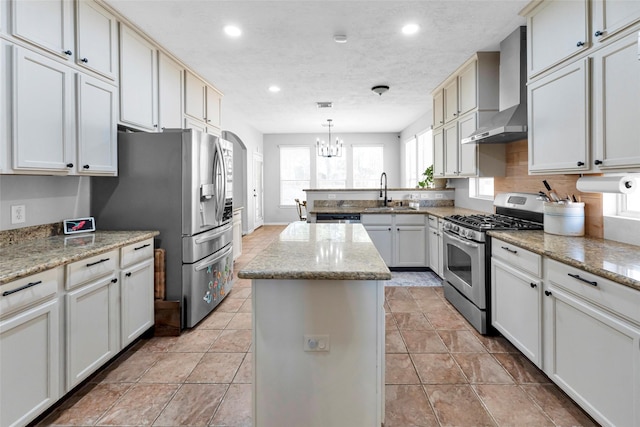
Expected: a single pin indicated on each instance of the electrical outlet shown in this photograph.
(331, 196)
(316, 343)
(18, 214)
(439, 196)
(424, 195)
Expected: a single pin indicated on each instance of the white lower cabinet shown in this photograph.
(592, 343)
(136, 290)
(29, 347)
(516, 308)
(400, 239)
(91, 328)
(436, 245)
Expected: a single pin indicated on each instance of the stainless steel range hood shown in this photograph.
(510, 124)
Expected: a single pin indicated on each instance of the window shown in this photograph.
(295, 173)
(411, 171)
(481, 188)
(425, 153)
(331, 171)
(368, 165)
(418, 156)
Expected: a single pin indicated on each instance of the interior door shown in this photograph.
(258, 191)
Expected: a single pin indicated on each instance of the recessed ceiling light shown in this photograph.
(340, 38)
(232, 31)
(274, 89)
(410, 29)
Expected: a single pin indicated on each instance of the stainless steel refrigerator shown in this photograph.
(179, 183)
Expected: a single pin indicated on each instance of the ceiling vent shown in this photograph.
(324, 105)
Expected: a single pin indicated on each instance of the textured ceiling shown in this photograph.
(290, 44)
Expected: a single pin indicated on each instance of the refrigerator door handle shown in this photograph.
(222, 183)
(213, 236)
(212, 260)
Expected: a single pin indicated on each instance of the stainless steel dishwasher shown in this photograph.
(338, 218)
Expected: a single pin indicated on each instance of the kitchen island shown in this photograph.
(318, 328)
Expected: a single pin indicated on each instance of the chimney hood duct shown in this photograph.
(510, 124)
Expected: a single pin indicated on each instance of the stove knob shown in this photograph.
(471, 234)
(447, 226)
(456, 228)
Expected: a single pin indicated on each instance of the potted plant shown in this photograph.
(429, 181)
(428, 178)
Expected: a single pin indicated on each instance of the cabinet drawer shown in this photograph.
(136, 252)
(29, 290)
(516, 256)
(433, 221)
(412, 219)
(91, 268)
(376, 219)
(605, 293)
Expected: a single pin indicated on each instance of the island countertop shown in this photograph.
(319, 252)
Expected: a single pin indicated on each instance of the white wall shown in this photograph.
(233, 121)
(463, 200)
(273, 213)
(47, 199)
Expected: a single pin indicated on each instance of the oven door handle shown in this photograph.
(459, 240)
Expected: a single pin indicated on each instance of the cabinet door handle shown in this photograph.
(597, 162)
(547, 293)
(580, 44)
(533, 285)
(21, 288)
(68, 52)
(85, 60)
(577, 276)
(598, 33)
(155, 126)
(509, 250)
(98, 262)
(128, 274)
(114, 280)
(579, 163)
(389, 228)
(69, 165)
(85, 167)
(141, 247)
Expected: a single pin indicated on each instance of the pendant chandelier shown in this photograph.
(329, 149)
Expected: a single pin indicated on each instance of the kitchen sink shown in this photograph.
(388, 209)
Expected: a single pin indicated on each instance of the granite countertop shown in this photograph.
(33, 256)
(319, 252)
(612, 260)
(439, 211)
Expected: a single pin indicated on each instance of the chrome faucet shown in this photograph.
(384, 175)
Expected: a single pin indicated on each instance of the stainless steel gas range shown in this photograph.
(467, 252)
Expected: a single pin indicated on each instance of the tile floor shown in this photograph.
(439, 371)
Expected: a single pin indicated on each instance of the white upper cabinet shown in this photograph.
(559, 134)
(450, 91)
(438, 153)
(45, 23)
(467, 152)
(43, 113)
(616, 104)
(96, 39)
(611, 16)
(451, 143)
(213, 99)
(467, 88)
(170, 84)
(194, 103)
(438, 108)
(556, 30)
(138, 80)
(97, 130)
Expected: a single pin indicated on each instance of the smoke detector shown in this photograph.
(324, 105)
(380, 89)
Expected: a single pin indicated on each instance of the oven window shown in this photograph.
(459, 263)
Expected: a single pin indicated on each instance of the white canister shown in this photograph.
(564, 219)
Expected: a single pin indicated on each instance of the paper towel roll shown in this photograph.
(607, 184)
